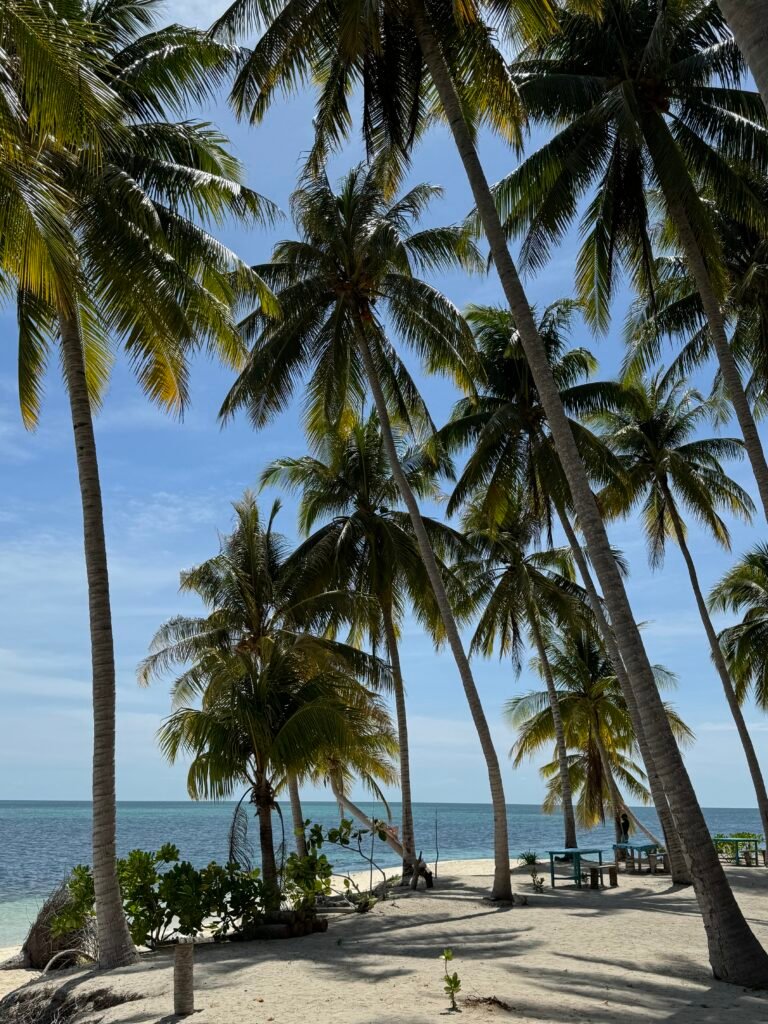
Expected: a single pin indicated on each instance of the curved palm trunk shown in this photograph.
(409, 842)
(264, 800)
(722, 670)
(297, 816)
(617, 801)
(115, 945)
(728, 366)
(502, 885)
(680, 870)
(557, 722)
(748, 20)
(735, 954)
(357, 812)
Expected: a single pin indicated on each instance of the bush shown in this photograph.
(164, 897)
(527, 857)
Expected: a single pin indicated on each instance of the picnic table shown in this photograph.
(574, 854)
(739, 842)
(637, 850)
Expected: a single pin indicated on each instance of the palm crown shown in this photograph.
(148, 273)
(645, 97)
(666, 465)
(504, 422)
(355, 262)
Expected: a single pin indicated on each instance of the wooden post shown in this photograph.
(652, 863)
(613, 875)
(594, 878)
(631, 861)
(665, 863)
(765, 857)
(184, 978)
(748, 858)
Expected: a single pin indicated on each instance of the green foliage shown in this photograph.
(452, 984)
(527, 857)
(727, 849)
(306, 878)
(165, 898)
(536, 880)
(81, 905)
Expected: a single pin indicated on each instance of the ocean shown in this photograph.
(41, 841)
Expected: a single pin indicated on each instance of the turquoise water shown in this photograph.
(40, 841)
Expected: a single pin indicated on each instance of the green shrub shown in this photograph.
(165, 898)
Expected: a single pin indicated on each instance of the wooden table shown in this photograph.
(637, 849)
(574, 854)
(738, 842)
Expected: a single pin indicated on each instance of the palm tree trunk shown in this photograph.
(722, 669)
(679, 868)
(557, 721)
(357, 812)
(748, 20)
(409, 842)
(735, 954)
(297, 816)
(728, 366)
(264, 800)
(116, 948)
(617, 801)
(502, 884)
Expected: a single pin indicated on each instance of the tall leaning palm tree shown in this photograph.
(669, 469)
(149, 277)
(649, 97)
(354, 264)
(359, 537)
(398, 50)
(522, 591)
(748, 20)
(504, 424)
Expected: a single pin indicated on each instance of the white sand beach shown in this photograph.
(633, 954)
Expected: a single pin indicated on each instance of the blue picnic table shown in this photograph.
(574, 854)
(739, 842)
(637, 850)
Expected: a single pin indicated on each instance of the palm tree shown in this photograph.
(598, 727)
(748, 20)
(354, 264)
(261, 717)
(147, 274)
(367, 544)
(675, 310)
(744, 590)
(504, 422)
(648, 98)
(522, 591)
(668, 468)
(275, 691)
(398, 52)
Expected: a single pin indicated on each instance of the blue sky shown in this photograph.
(167, 491)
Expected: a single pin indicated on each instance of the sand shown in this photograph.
(633, 954)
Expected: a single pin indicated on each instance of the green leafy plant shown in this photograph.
(452, 984)
(527, 857)
(164, 897)
(537, 880)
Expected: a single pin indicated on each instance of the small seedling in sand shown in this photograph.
(452, 983)
(537, 880)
